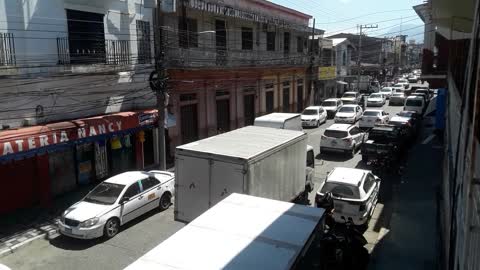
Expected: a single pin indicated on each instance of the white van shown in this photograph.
(415, 103)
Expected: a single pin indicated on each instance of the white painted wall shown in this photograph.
(68, 91)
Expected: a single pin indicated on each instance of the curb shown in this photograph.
(11, 250)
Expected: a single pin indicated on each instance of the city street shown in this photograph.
(143, 234)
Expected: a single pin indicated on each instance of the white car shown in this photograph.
(332, 105)
(371, 117)
(350, 98)
(415, 103)
(397, 98)
(376, 99)
(348, 114)
(355, 194)
(117, 201)
(387, 92)
(342, 138)
(401, 85)
(313, 116)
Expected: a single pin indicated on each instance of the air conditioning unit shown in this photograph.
(31, 121)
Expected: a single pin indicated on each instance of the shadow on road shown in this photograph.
(68, 243)
(337, 157)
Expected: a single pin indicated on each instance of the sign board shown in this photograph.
(327, 73)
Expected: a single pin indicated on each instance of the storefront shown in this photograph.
(41, 162)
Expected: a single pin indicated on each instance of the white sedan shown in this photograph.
(371, 117)
(117, 201)
(348, 114)
(376, 99)
(387, 92)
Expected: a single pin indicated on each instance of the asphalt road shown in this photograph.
(145, 233)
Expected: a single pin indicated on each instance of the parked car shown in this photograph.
(398, 98)
(371, 117)
(410, 114)
(376, 99)
(387, 92)
(332, 105)
(424, 96)
(116, 201)
(348, 114)
(355, 194)
(350, 98)
(385, 142)
(415, 103)
(424, 91)
(313, 116)
(342, 138)
(410, 124)
(401, 85)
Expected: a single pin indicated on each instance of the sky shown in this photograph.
(335, 16)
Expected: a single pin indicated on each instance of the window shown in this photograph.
(188, 97)
(188, 33)
(220, 35)
(104, 193)
(335, 134)
(247, 38)
(355, 131)
(132, 190)
(286, 42)
(310, 159)
(369, 182)
(143, 42)
(300, 44)
(150, 182)
(270, 41)
(339, 190)
(86, 37)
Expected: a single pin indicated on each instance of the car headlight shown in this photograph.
(89, 222)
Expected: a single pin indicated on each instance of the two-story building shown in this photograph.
(76, 106)
(230, 61)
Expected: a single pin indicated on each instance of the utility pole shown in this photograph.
(158, 84)
(360, 50)
(312, 64)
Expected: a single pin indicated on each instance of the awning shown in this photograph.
(44, 138)
(342, 82)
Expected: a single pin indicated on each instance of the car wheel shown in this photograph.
(112, 227)
(165, 201)
(353, 150)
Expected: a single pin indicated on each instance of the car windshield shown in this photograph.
(310, 112)
(340, 191)
(371, 113)
(329, 103)
(398, 94)
(399, 91)
(349, 95)
(414, 103)
(405, 114)
(382, 136)
(386, 90)
(105, 193)
(335, 134)
(347, 109)
(375, 96)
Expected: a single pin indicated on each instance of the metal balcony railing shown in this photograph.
(117, 52)
(7, 49)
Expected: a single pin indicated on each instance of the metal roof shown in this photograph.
(277, 117)
(342, 127)
(245, 143)
(240, 232)
(346, 176)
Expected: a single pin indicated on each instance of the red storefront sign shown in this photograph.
(31, 138)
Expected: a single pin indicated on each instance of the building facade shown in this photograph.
(77, 106)
(451, 63)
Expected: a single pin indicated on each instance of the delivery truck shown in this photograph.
(258, 161)
(290, 121)
(242, 232)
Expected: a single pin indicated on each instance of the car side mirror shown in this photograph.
(124, 200)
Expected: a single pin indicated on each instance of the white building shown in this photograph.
(344, 50)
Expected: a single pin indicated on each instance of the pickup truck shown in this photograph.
(385, 141)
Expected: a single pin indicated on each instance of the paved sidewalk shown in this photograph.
(411, 242)
(21, 227)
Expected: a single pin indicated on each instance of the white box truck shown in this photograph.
(258, 161)
(241, 232)
(290, 121)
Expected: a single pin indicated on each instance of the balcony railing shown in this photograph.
(7, 49)
(117, 52)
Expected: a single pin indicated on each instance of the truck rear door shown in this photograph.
(226, 178)
(192, 186)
